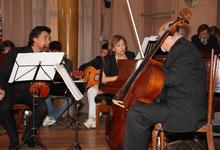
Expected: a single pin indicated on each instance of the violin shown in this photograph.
(39, 89)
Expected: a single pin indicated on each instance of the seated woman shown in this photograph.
(117, 46)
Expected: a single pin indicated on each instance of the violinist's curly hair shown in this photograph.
(114, 40)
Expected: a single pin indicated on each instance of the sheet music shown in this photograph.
(144, 45)
(26, 65)
(69, 82)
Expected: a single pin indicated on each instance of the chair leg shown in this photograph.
(20, 120)
(97, 119)
(210, 140)
(154, 139)
(162, 141)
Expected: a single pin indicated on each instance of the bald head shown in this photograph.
(180, 31)
(164, 28)
(170, 40)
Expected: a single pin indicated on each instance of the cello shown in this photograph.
(144, 85)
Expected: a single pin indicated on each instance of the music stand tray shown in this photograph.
(34, 67)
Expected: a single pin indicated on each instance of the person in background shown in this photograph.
(184, 87)
(96, 62)
(54, 113)
(18, 92)
(5, 47)
(130, 54)
(204, 41)
(2, 94)
(214, 31)
(117, 46)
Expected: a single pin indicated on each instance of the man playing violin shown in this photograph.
(14, 93)
(182, 104)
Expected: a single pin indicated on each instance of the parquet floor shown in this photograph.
(60, 138)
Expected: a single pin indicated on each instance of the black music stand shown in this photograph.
(77, 96)
(34, 67)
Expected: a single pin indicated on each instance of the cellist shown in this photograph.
(182, 104)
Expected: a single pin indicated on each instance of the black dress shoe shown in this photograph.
(13, 147)
(32, 142)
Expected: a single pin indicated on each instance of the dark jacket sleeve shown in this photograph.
(215, 45)
(68, 65)
(195, 40)
(6, 67)
(130, 55)
(110, 65)
(97, 63)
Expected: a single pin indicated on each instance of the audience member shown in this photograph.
(204, 41)
(97, 62)
(5, 47)
(214, 31)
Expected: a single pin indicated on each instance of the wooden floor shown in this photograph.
(60, 138)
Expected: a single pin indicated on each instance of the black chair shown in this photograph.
(208, 127)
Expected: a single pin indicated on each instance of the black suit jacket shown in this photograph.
(212, 44)
(97, 63)
(184, 91)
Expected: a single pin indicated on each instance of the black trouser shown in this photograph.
(140, 118)
(6, 111)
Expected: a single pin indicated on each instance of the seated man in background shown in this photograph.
(57, 89)
(204, 41)
(5, 47)
(92, 91)
(96, 62)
